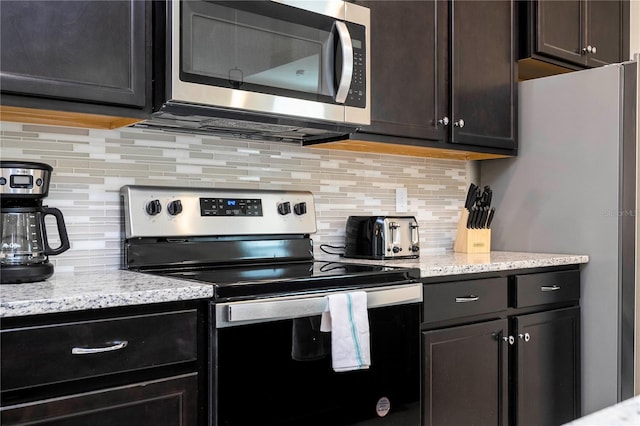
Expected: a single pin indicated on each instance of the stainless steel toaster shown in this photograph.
(382, 237)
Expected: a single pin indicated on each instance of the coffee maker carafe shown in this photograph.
(24, 248)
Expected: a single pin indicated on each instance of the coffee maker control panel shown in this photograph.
(24, 179)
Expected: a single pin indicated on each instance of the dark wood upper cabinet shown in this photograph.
(558, 36)
(443, 75)
(408, 59)
(605, 21)
(560, 32)
(80, 50)
(76, 63)
(483, 74)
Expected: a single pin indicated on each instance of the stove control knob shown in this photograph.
(415, 248)
(300, 208)
(396, 249)
(284, 208)
(175, 207)
(153, 207)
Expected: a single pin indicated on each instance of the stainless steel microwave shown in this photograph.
(280, 67)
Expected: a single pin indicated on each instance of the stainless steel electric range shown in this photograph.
(269, 364)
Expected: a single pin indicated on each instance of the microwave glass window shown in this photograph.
(252, 51)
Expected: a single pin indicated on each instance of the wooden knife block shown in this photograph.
(471, 240)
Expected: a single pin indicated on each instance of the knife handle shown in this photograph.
(483, 218)
(470, 200)
(470, 218)
(490, 218)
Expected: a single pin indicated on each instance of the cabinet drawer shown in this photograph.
(550, 287)
(164, 402)
(60, 352)
(459, 299)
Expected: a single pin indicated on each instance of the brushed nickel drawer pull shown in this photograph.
(84, 351)
(549, 288)
(469, 298)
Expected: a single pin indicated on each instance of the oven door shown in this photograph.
(278, 371)
(298, 58)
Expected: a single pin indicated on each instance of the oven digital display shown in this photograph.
(230, 207)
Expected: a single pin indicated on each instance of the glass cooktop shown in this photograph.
(260, 280)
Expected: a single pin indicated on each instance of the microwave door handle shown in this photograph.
(347, 62)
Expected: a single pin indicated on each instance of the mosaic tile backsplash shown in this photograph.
(91, 165)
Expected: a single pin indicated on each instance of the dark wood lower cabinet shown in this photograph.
(465, 375)
(114, 367)
(490, 360)
(165, 402)
(547, 367)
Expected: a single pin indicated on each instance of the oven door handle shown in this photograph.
(256, 311)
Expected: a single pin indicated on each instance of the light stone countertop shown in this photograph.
(74, 292)
(625, 413)
(461, 263)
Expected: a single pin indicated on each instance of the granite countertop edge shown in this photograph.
(65, 292)
(435, 265)
(623, 413)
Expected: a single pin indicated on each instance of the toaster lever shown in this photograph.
(415, 237)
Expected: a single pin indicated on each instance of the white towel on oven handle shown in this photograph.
(348, 320)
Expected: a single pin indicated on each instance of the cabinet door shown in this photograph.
(165, 402)
(408, 71)
(483, 73)
(604, 23)
(561, 33)
(75, 50)
(465, 375)
(547, 367)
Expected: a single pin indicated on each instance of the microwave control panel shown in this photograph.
(357, 92)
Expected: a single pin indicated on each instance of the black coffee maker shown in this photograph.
(24, 248)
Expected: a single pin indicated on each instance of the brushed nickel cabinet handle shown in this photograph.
(526, 336)
(511, 340)
(550, 287)
(466, 299)
(114, 347)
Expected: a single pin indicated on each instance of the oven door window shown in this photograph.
(278, 373)
(259, 46)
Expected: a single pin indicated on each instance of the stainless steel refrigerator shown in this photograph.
(573, 189)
